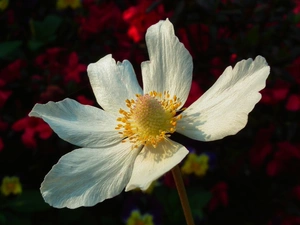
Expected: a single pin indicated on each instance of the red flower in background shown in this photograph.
(224, 32)
(84, 100)
(4, 95)
(8, 75)
(56, 63)
(3, 127)
(142, 16)
(277, 93)
(285, 160)
(294, 69)
(124, 49)
(10, 17)
(233, 58)
(291, 220)
(283, 219)
(195, 93)
(73, 69)
(32, 126)
(1, 144)
(105, 15)
(50, 60)
(168, 180)
(217, 67)
(219, 196)
(280, 158)
(262, 147)
(195, 38)
(52, 93)
(296, 10)
(11, 73)
(293, 103)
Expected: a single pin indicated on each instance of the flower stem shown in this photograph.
(182, 195)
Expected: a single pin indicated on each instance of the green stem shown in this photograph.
(182, 195)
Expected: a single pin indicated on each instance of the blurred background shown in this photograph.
(248, 179)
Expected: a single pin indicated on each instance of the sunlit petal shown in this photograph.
(223, 110)
(113, 83)
(81, 125)
(170, 66)
(152, 163)
(85, 177)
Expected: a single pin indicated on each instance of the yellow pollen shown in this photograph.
(149, 118)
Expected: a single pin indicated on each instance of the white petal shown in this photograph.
(113, 83)
(152, 163)
(85, 177)
(81, 125)
(223, 110)
(170, 66)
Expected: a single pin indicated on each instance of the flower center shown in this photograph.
(149, 119)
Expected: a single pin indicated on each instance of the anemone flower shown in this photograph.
(127, 144)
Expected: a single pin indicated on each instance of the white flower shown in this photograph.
(127, 144)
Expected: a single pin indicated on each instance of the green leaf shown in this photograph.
(44, 31)
(35, 45)
(297, 18)
(170, 200)
(29, 201)
(11, 218)
(198, 200)
(2, 218)
(8, 48)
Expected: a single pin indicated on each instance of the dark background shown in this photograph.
(253, 177)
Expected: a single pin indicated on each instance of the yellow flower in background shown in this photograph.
(137, 219)
(3, 4)
(11, 185)
(197, 164)
(63, 4)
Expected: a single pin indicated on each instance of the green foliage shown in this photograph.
(198, 200)
(9, 48)
(169, 198)
(43, 32)
(29, 201)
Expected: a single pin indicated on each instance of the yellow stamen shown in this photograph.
(149, 118)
